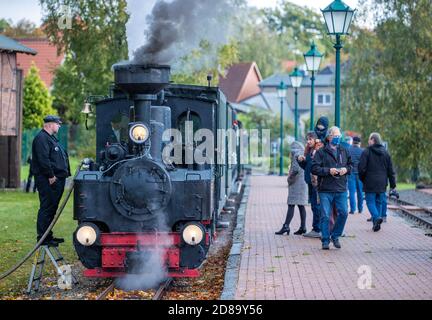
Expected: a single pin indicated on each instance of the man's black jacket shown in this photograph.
(375, 169)
(324, 160)
(48, 157)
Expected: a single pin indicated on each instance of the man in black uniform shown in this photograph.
(50, 166)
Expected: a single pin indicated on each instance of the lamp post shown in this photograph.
(296, 80)
(338, 17)
(282, 92)
(313, 61)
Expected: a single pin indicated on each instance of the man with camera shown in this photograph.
(332, 164)
(375, 170)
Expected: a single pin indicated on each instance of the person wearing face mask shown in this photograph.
(375, 171)
(321, 128)
(305, 162)
(332, 164)
(50, 166)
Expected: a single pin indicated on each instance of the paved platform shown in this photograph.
(395, 263)
(428, 191)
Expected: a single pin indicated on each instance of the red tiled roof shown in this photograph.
(46, 60)
(241, 82)
(288, 65)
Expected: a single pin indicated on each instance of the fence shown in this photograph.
(29, 135)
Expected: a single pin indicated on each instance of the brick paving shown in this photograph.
(399, 257)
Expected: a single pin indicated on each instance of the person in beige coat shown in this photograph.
(297, 192)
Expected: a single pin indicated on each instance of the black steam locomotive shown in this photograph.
(131, 201)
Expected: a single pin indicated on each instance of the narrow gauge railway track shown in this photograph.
(420, 214)
(106, 292)
(160, 292)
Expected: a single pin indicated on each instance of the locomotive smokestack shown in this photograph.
(142, 83)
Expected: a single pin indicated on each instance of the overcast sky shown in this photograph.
(30, 9)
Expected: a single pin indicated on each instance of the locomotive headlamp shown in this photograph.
(87, 235)
(139, 133)
(193, 234)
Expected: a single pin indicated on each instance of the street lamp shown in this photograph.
(282, 92)
(313, 61)
(296, 80)
(338, 17)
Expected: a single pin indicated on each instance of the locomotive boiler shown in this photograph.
(130, 202)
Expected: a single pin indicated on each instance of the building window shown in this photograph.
(324, 99)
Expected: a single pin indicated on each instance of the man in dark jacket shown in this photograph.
(355, 185)
(375, 170)
(332, 164)
(50, 166)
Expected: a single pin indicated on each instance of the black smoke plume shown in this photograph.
(175, 28)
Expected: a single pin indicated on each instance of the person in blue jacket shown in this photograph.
(355, 185)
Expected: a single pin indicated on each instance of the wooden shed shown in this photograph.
(11, 88)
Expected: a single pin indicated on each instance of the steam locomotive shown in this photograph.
(130, 201)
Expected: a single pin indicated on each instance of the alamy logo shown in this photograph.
(64, 282)
(364, 282)
(65, 20)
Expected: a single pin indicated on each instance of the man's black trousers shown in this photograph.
(49, 197)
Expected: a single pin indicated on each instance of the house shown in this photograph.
(11, 82)
(47, 60)
(324, 92)
(241, 87)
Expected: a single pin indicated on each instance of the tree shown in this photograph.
(95, 41)
(297, 27)
(253, 36)
(23, 29)
(189, 73)
(4, 24)
(36, 99)
(271, 36)
(263, 120)
(390, 81)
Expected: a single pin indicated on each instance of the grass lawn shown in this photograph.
(18, 213)
(405, 186)
(74, 163)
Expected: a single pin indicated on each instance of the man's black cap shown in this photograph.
(52, 119)
(357, 140)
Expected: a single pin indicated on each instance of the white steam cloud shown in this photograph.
(152, 264)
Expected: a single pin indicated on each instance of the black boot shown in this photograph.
(300, 231)
(284, 229)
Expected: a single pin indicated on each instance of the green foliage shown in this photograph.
(261, 120)
(22, 29)
(36, 99)
(254, 35)
(271, 36)
(95, 41)
(194, 74)
(4, 24)
(389, 82)
(299, 25)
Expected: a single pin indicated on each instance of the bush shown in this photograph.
(36, 99)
